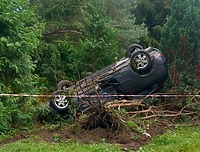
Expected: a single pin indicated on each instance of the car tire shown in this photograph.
(132, 48)
(140, 61)
(59, 101)
(64, 85)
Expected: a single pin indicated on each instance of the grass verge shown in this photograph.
(184, 139)
(31, 145)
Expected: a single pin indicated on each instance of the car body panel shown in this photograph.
(141, 71)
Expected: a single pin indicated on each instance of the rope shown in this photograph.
(109, 95)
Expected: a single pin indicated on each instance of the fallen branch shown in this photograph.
(160, 111)
(123, 103)
(168, 115)
(61, 31)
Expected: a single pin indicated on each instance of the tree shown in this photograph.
(67, 38)
(96, 47)
(20, 31)
(153, 14)
(128, 31)
(180, 40)
(52, 58)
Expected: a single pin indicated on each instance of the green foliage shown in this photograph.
(18, 40)
(52, 58)
(46, 115)
(182, 139)
(121, 19)
(57, 13)
(54, 62)
(20, 31)
(153, 14)
(180, 40)
(134, 126)
(82, 36)
(96, 47)
(16, 113)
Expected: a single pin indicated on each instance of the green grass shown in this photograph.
(31, 145)
(185, 139)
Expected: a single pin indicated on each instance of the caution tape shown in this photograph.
(108, 95)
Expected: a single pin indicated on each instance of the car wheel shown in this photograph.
(132, 48)
(64, 85)
(140, 61)
(59, 101)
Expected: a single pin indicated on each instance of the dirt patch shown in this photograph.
(97, 128)
(129, 140)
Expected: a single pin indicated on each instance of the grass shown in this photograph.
(31, 145)
(184, 139)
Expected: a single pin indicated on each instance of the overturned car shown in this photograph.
(140, 72)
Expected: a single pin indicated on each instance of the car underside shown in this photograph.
(141, 71)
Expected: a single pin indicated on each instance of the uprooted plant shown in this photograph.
(115, 114)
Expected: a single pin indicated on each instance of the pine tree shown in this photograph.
(180, 40)
(96, 47)
(128, 31)
(153, 14)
